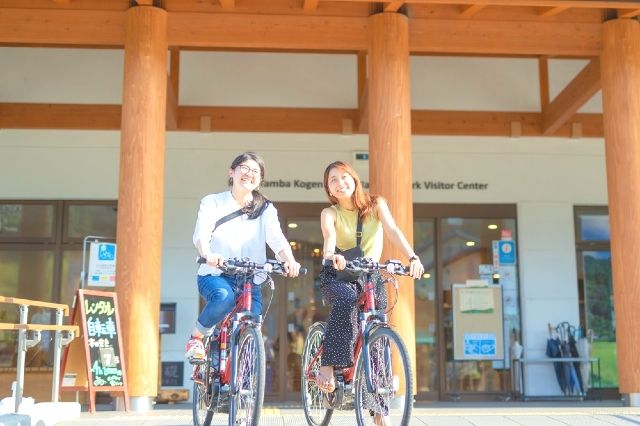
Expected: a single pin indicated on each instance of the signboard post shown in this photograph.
(94, 363)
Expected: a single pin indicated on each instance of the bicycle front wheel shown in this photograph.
(246, 401)
(389, 368)
(313, 398)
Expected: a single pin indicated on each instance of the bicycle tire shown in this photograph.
(202, 396)
(245, 403)
(394, 381)
(312, 398)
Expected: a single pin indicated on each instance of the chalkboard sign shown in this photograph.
(98, 365)
(172, 373)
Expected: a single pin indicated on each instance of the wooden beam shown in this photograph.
(547, 12)
(278, 32)
(393, 6)
(537, 38)
(59, 116)
(469, 10)
(58, 27)
(572, 98)
(257, 119)
(579, 4)
(495, 123)
(301, 120)
(78, 28)
(62, 2)
(144, 2)
(310, 5)
(363, 94)
(228, 4)
(543, 78)
(629, 13)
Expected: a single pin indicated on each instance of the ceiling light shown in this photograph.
(293, 225)
(293, 244)
(471, 243)
(426, 275)
(493, 226)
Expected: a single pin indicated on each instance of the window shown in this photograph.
(41, 259)
(595, 288)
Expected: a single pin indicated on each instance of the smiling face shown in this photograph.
(246, 176)
(340, 184)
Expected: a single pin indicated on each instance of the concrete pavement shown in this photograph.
(436, 414)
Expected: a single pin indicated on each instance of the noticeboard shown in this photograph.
(477, 322)
(95, 362)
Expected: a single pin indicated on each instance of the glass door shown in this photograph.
(297, 303)
(466, 243)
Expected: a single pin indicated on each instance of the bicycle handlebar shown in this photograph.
(270, 266)
(364, 264)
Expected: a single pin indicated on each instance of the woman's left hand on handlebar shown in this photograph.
(291, 269)
(416, 269)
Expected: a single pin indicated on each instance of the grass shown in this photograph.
(607, 353)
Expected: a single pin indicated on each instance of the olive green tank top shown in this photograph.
(346, 224)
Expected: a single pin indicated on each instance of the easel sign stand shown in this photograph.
(478, 324)
(94, 362)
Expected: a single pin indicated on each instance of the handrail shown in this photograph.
(24, 343)
(39, 327)
(17, 301)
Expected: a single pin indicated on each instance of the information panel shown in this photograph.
(477, 323)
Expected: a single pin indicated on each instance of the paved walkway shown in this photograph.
(436, 414)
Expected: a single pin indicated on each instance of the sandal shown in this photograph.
(324, 383)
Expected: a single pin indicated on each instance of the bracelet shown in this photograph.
(414, 257)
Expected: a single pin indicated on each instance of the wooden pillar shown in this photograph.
(620, 71)
(140, 197)
(390, 158)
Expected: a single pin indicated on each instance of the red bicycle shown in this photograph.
(232, 377)
(380, 385)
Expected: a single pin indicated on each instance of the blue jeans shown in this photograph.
(219, 292)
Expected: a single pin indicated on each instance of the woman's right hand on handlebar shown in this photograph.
(214, 259)
(339, 262)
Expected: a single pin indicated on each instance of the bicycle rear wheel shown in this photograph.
(312, 397)
(390, 372)
(245, 403)
(202, 395)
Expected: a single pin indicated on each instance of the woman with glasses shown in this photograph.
(350, 205)
(234, 224)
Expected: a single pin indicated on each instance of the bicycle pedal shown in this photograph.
(329, 400)
(197, 361)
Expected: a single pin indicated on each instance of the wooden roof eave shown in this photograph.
(84, 28)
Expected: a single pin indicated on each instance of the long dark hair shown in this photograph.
(363, 201)
(260, 202)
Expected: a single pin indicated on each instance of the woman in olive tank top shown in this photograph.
(339, 221)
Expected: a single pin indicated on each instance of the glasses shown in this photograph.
(248, 170)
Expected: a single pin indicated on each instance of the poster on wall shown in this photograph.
(102, 264)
